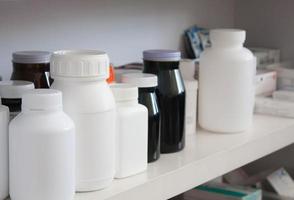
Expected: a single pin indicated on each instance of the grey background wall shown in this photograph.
(123, 28)
(269, 23)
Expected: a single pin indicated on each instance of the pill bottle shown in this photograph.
(42, 149)
(147, 84)
(81, 76)
(12, 92)
(32, 66)
(171, 96)
(226, 83)
(132, 131)
(4, 119)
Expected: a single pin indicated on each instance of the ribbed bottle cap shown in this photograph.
(124, 92)
(31, 57)
(141, 80)
(162, 55)
(14, 89)
(227, 35)
(42, 99)
(79, 64)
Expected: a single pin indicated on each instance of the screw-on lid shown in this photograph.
(42, 99)
(140, 80)
(124, 92)
(162, 55)
(31, 57)
(14, 89)
(227, 35)
(79, 64)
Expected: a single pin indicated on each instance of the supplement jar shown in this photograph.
(171, 96)
(226, 83)
(147, 84)
(131, 131)
(32, 66)
(4, 119)
(88, 100)
(12, 92)
(42, 149)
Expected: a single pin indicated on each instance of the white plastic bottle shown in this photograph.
(88, 100)
(132, 131)
(4, 119)
(42, 149)
(226, 83)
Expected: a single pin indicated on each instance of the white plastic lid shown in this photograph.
(140, 80)
(42, 99)
(79, 64)
(31, 57)
(227, 35)
(14, 89)
(124, 92)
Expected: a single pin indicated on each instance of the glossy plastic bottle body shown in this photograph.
(171, 97)
(91, 105)
(132, 139)
(148, 98)
(42, 156)
(4, 119)
(226, 82)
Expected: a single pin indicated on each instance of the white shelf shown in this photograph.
(206, 156)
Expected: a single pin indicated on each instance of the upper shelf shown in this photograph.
(206, 156)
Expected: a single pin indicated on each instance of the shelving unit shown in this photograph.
(206, 156)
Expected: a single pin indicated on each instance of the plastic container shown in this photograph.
(226, 93)
(4, 119)
(42, 149)
(132, 131)
(32, 66)
(88, 100)
(12, 92)
(147, 84)
(171, 96)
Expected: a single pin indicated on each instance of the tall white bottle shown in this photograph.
(88, 100)
(226, 83)
(42, 149)
(4, 119)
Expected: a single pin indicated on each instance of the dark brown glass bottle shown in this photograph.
(171, 96)
(33, 66)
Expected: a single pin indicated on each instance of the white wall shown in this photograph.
(269, 23)
(122, 28)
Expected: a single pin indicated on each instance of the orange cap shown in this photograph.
(111, 77)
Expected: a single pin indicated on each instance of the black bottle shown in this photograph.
(171, 96)
(147, 84)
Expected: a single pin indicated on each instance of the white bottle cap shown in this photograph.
(31, 57)
(124, 92)
(140, 80)
(42, 99)
(79, 64)
(14, 89)
(227, 35)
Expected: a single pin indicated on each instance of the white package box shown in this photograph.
(284, 95)
(187, 68)
(266, 56)
(269, 106)
(266, 82)
(191, 87)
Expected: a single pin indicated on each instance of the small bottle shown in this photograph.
(147, 84)
(171, 96)
(132, 130)
(4, 119)
(12, 92)
(227, 78)
(32, 66)
(88, 100)
(42, 149)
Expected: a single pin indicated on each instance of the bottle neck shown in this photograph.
(227, 45)
(132, 102)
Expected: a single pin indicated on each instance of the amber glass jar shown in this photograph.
(33, 66)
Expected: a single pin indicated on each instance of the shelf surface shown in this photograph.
(206, 156)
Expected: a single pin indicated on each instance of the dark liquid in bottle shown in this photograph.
(147, 97)
(171, 97)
